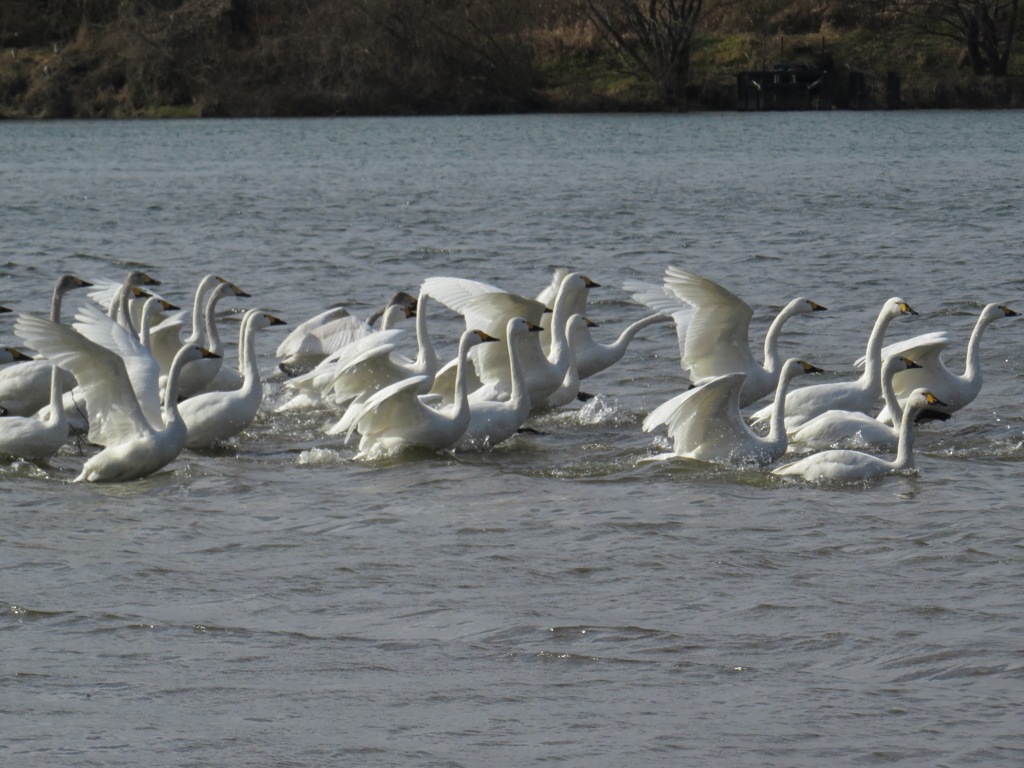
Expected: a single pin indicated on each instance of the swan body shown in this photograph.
(714, 332)
(835, 427)
(214, 417)
(956, 391)
(27, 437)
(134, 447)
(569, 389)
(493, 421)
(846, 466)
(705, 422)
(25, 388)
(396, 417)
(862, 394)
(324, 334)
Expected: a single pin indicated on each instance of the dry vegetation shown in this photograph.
(132, 58)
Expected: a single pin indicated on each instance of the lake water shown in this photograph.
(552, 601)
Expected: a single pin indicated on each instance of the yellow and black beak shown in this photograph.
(816, 307)
(485, 336)
(208, 353)
(1009, 312)
(17, 354)
(533, 328)
(590, 283)
(932, 399)
(168, 306)
(808, 368)
(905, 309)
(276, 320)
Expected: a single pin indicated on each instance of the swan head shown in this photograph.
(12, 355)
(796, 367)
(392, 315)
(922, 398)
(263, 319)
(575, 282)
(193, 352)
(138, 277)
(897, 363)
(896, 306)
(69, 282)
(403, 299)
(804, 306)
(473, 337)
(996, 311)
(520, 325)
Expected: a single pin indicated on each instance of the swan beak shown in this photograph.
(276, 320)
(409, 311)
(932, 399)
(548, 311)
(240, 292)
(591, 323)
(16, 354)
(139, 293)
(168, 306)
(816, 307)
(5, 309)
(910, 363)
(208, 353)
(905, 309)
(486, 336)
(147, 280)
(590, 283)
(80, 283)
(1009, 312)
(808, 368)
(533, 328)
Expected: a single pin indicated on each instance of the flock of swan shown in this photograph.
(125, 374)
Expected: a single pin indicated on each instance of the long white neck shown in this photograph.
(211, 339)
(905, 450)
(198, 308)
(772, 359)
(620, 344)
(461, 396)
(170, 412)
(56, 301)
(426, 356)
(972, 373)
(247, 362)
(559, 353)
(892, 402)
(57, 415)
(146, 321)
(777, 421)
(515, 364)
(870, 380)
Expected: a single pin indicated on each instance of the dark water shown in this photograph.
(552, 601)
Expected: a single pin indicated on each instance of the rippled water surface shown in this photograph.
(276, 603)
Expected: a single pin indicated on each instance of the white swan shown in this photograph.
(28, 437)
(714, 332)
(705, 422)
(592, 357)
(835, 427)
(134, 447)
(862, 394)
(846, 466)
(493, 421)
(25, 388)
(396, 417)
(956, 391)
(218, 416)
(322, 335)
(569, 389)
(575, 301)
(374, 362)
(107, 293)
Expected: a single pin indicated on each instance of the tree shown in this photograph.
(654, 36)
(986, 28)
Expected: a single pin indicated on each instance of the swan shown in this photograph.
(829, 429)
(705, 422)
(846, 466)
(28, 437)
(134, 447)
(569, 390)
(862, 394)
(494, 421)
(396, 417)
(25, 388)
(199, 373)
(713, 333)
(218, 416)
(374, 363)
(956, 391)
(324, 334)
(107, 293)
(575, 302)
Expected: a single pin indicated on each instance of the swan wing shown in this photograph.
(114, 412)
(390, 409)
(340, 333)
(708, 414)
(927, 347)
(294, 343)
(104, 292)
(547, 296)
(455, 292)
(716, 340)
(142, 368)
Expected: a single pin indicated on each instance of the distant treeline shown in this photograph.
(128, 58)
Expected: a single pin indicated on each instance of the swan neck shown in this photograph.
(57, 415)
(461, 396)
(516, 368)
(198, 306)
(972, 372)
(426, 355)
(873, 354)
(892, 402)
(246, 353)
(56, 302)
(772, 360)
(125, 313)
(632, 330)
(170, 410)
(777, 420)
(905, 448)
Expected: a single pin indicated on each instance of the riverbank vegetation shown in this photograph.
(152, 58)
